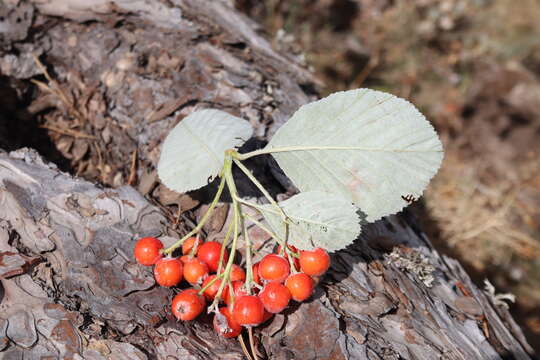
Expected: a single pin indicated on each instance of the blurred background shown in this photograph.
(473, 68)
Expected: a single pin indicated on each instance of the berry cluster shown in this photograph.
(274, 281)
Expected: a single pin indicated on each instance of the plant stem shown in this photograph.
(259, 186)
(195, 247)
(206, 216)
(265, 229)
(227, 174)
(244, 348)
(203, 289)
(224, 246)
(258, 207)
(234, 195)
(289, 255)
(311, 148)
(261, 210)
(249, 268)
(252, 344)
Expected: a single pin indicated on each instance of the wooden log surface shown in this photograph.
(124, 73)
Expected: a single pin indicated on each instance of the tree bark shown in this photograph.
(123, 73)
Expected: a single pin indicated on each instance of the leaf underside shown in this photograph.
(318, 219)
(396, 150)
(194, 151)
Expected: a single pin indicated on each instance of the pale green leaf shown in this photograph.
(368, 146)
(193, 152)
(317, 219)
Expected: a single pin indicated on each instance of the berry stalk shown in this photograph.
(227, 175)
(249, 267)
(224, 246)
(259, 186)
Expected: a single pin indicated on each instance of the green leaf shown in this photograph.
(194, 151)
(367, 146)
(318, 219)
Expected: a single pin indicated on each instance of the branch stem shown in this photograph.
(265, 229)
(259, 186)
(263, 151)
(236, 222)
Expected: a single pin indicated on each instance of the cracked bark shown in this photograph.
(132, 70)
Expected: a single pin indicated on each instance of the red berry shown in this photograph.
(188, 304)
(256, 276)
(168, 272)
(293, 249)
(188, 244)
(274, 268)
(248, 310)
(195, 271)
(238, 290)
(211, 291)
(300, 285)
(225, 325)
(209, 252)
(290, 247)
(147, 251)
(185, 258)
(275, 297)
(237, 273)
(314, 263)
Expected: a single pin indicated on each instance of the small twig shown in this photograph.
(463, 289)
(100, 162)
(57, 90)
(243, 346)
(485, 327)
(252, 344)
(133, 169)
(247, 244)
(69, 132)
(224, 245)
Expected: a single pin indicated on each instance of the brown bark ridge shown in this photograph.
(123, 73)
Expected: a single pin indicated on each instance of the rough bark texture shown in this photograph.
(127, 72)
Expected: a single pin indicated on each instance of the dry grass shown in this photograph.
(484, 222)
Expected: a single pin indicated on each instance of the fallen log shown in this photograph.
(121, 75)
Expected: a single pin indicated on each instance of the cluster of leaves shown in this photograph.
(355, 156)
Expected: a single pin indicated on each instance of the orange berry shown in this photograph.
(248, 310)
(274, 268)
(195, 271)
(189, 243)
(225, 325)
(296, 261)
(211, 291)
(300, 286)
(238, 290)
(237, 273)
(209, 252)
(188, 304)
(168, 272)
(275, 297)
(256, 276)
(314, 263)
(147, 251)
